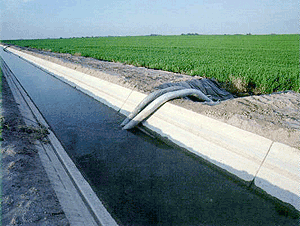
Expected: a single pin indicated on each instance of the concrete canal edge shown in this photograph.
(272, 166)
(79, 202)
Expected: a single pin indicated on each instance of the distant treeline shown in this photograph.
(190, 34)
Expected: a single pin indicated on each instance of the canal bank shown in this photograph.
(26, 192)
(128, 193)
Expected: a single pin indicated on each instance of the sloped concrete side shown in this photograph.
(279, 174)
(242, 153)
(233, 149)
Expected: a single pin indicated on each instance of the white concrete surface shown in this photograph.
(239, 152)
(235, 150)
(280, 174)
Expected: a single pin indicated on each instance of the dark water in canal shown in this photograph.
(141, 180)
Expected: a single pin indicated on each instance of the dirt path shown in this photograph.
(275, 116)
(27, 195)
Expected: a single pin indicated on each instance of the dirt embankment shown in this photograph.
(275, 116)
(27, 195)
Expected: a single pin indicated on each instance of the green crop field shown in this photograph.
(251, 63)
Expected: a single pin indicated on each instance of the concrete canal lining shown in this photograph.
(272, 166)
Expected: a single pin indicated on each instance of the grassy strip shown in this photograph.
(247, 63)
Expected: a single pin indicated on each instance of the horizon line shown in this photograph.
(153, 35)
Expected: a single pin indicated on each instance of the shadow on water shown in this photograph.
(140, 179)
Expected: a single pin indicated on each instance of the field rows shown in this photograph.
(252, 63)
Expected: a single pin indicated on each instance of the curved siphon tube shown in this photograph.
(155, 104)
(152, 96)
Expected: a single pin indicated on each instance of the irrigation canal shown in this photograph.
(141, 180)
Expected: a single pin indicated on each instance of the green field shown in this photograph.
(251, 63)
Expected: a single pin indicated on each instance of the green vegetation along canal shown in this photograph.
(141, 180)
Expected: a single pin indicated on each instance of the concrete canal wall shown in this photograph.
(272, 166)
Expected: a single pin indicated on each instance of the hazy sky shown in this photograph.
(75, 18)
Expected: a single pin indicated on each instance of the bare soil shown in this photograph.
(275, 116)
(27, 195)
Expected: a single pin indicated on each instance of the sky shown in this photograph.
(39, 19)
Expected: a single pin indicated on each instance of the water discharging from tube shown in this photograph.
(141, 180)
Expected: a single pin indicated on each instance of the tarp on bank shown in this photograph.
(208, 86)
